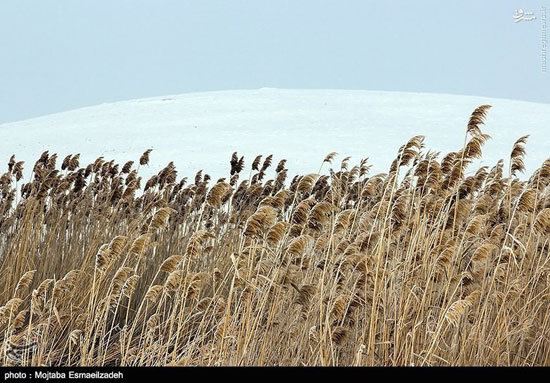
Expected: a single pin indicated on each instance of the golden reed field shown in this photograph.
(431, 263)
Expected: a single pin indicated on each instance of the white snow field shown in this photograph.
(202, 130)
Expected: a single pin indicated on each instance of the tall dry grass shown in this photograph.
(428, 264)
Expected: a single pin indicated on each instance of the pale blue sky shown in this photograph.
(63, 54)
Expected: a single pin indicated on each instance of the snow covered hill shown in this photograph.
(202, 130)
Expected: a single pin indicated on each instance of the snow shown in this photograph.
(202, 130)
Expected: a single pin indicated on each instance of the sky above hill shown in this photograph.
(63, 54)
